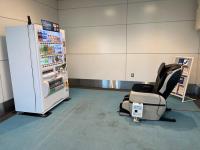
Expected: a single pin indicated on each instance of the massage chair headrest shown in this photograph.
(161, 69)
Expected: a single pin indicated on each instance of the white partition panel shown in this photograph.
(1, 94)
(19, 9)
(97, 66)
(51, 3)
(169, 37)
(13, 13)
(157, 11)
(156, 31)
(145, 66)
(198, 71)
(104, 39)
(3, 48)
(65, 4)
(3, 23)
(132, 1)
(93, 16)
(6, 80)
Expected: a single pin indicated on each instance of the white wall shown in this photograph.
(110, 39)
(12, 13)
(198, 69)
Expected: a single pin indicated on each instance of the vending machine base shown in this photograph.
(35, 115)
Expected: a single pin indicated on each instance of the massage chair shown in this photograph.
(153, 97)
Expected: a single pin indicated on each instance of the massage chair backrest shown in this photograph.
(168, 77)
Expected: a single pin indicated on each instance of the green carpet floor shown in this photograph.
(90, 122)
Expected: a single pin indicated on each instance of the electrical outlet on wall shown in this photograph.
(132, 75)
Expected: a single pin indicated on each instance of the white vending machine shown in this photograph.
(38, 68)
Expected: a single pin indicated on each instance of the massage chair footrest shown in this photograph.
(168, 109)
(167, 119)
(123, 112)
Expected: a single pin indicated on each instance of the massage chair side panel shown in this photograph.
(154, 105)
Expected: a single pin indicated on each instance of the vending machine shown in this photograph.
(38, 67)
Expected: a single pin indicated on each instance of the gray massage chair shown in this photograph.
(153, 97)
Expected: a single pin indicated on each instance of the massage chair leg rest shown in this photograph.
(168, 109)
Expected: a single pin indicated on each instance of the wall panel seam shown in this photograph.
(94, 6)
(198, 60)
(108, 25)
(128, 24)
(128, 53)
(146, 1)
(126, 41)
(96, 53)
(165, 21)
(2, 89)
(105, 5)
(16, 19)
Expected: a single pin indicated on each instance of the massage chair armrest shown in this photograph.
(147, 98)
(147, 88)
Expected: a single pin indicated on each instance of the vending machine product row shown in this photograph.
(38, 68)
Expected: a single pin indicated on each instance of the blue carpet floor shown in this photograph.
(90, 122)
